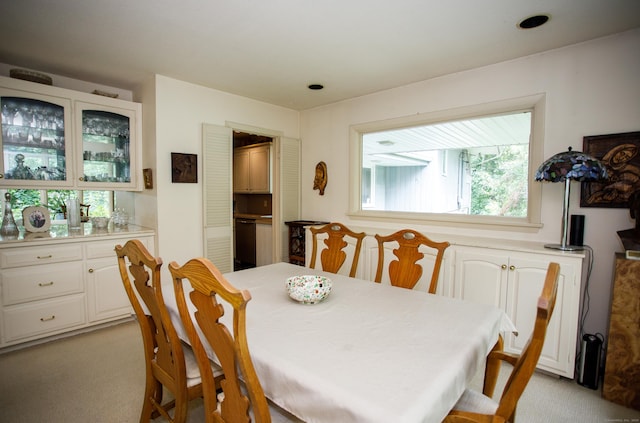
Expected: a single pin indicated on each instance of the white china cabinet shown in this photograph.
(54, 137)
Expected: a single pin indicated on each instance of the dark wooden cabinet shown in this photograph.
(622, 369)
(297, 239)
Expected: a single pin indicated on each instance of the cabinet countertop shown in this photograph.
(260, 219)
(60, 233)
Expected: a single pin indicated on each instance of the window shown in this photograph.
(474, 165)
(101, 202)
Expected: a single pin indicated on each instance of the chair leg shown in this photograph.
(181, 406)
(152, 396)
(492, 369)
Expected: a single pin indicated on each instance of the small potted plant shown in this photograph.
(58, 207)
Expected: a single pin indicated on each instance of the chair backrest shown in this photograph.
(333, 256)
(526, 364)
(405, 272)
(211, 293)
(164, 356)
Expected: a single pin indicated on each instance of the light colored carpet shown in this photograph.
(99, 377)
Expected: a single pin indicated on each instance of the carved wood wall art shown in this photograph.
(184, 168)
(320, 180)
(620, 154)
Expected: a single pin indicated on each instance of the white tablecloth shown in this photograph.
(367, 353)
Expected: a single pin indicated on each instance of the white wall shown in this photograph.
(591, 88)
(180, 110)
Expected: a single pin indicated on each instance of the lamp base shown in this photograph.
(564, 247)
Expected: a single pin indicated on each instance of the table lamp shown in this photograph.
(565, 167)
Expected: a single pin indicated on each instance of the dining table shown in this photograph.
(367, 353)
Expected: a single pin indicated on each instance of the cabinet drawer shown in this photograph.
(99, 249)
(31, 283)
(42, 317)
(39, 255)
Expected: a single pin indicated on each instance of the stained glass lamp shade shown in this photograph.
(566, 167)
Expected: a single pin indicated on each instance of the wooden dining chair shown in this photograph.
(333, 256)
(241, 398)
(169, 363)
(476, 407)
(405, 271)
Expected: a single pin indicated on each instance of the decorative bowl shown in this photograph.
(99, 222)
(308, 289)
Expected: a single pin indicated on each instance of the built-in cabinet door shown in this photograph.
(241, 169)
(106, 297)
(252, 169)
(106, 158)
(481, 278)
(260, 169)
(36, 141)
(525, 285)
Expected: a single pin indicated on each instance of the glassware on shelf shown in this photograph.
(33, 136)
(73, 214)
(9, 229)
(120, 218)
(105, 146)
(20, 171)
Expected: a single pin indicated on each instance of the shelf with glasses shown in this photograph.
(26, 136)
(106, 142)
(33, 138)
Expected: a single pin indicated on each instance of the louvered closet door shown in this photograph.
(289, 186)
(217, 196)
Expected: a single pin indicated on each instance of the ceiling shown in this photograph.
(271, 50)
(419, 145)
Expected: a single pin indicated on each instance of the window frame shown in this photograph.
(535, 103)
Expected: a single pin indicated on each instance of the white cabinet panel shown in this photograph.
(106, 297)
(39, 282)
(39, 255)
(43, 318)
(481, 278)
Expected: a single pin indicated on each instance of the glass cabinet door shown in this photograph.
(106, 140)
(34, 140)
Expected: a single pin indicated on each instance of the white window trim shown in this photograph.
(536, 149)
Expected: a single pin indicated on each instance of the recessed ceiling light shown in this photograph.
(315, 86)
(533, 21)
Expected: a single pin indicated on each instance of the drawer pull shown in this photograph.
(512, 268)
(503, 267)
(44, 257)
(46, 319)
(90, 270)
(45, 283)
